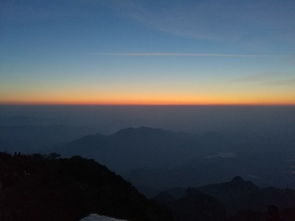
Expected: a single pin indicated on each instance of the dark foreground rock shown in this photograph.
(35, 187)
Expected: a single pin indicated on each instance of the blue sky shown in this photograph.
(140, 51)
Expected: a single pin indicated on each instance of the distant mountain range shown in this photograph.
(151, 158)
(37, 138)
(135, 148)
(235, 200)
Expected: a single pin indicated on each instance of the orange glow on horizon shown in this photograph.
(155, 102)
(144, 98)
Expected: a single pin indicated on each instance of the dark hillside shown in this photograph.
(35, 187)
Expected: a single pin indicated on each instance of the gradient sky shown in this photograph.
(147, 52)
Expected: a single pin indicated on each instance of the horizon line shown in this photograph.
(134, 104)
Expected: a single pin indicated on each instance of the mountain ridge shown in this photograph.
(38, 187)
(161, 155)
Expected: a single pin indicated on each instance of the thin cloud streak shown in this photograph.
(270, 78)
(167, 54)
(238, 21)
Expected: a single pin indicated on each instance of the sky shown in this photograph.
(147, 52)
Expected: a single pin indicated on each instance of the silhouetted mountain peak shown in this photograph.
(228, 191)
(237, 183)
(237, 180)
(140, 130)
(243, 185)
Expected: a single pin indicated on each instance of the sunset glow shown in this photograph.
(112, 52)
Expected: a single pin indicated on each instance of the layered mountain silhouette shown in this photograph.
(239, 194)
(46, 187)
(147, 147)
(37, 138)
(151, 158)
(36, 187)
(234, 200)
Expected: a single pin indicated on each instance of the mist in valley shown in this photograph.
(160, 147)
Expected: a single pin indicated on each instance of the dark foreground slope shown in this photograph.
(35, 187)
